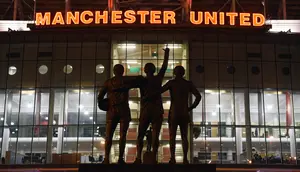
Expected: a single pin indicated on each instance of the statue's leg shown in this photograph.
(156, 126)
(185, 142)
(172, 131)
(140, 140)
(110, 129)
(124, 125)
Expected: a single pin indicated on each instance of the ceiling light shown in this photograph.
(86, 112)
(29, 92)
(174, 46)
(269, 107)
(131, 62)
(12, 123)
(91, 118)
(128, 46)
(29, 105)
(2, 119)
(173, 62)
(81, 106)
(208, 91)
(222, 91)
(213, 113)
(46, 118)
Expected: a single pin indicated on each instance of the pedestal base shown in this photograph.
(149, 158)
(146, 168)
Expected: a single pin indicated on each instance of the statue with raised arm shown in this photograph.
(118, 110)
(151, 110)
(179, 111)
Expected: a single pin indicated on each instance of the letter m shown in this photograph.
(43, 20)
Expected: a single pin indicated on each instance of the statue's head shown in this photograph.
(118, 70)
(149, 68)
(179, 71)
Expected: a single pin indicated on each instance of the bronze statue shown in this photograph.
(149, 139)
(117, 110)
(179, 111)
(151, 109)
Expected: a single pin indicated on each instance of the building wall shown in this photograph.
(247, 81)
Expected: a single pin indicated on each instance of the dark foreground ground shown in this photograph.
(149, 168)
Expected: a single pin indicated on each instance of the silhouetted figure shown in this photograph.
(117, 111)
(149, 139)
(179, 111)
(91, 159)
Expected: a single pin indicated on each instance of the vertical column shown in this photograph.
(111, 6)
(233, 6)
(37, 107)
(15, 9)
(229, 155)
(6, 132)
(239, 141)
(185, 6)
(67, 7)
(248, 123)
(61, 118)
(260, 112)
(34, 9)
(50, 127)
(289, 123)
(284, 9)
(265, 8)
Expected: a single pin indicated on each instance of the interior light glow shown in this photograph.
(128, 46)
(269, 107)
(28, 92)
(213, 113)
(81, 106)
(12, 123)
(86, 112)
(131, 62)
(91, 118)
(29, 105)
(2, 119)
(174, 46)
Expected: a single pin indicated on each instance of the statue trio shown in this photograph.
(118, 111)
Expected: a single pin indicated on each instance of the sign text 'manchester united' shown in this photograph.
(148, 17)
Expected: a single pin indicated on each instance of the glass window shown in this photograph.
(271, 108)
